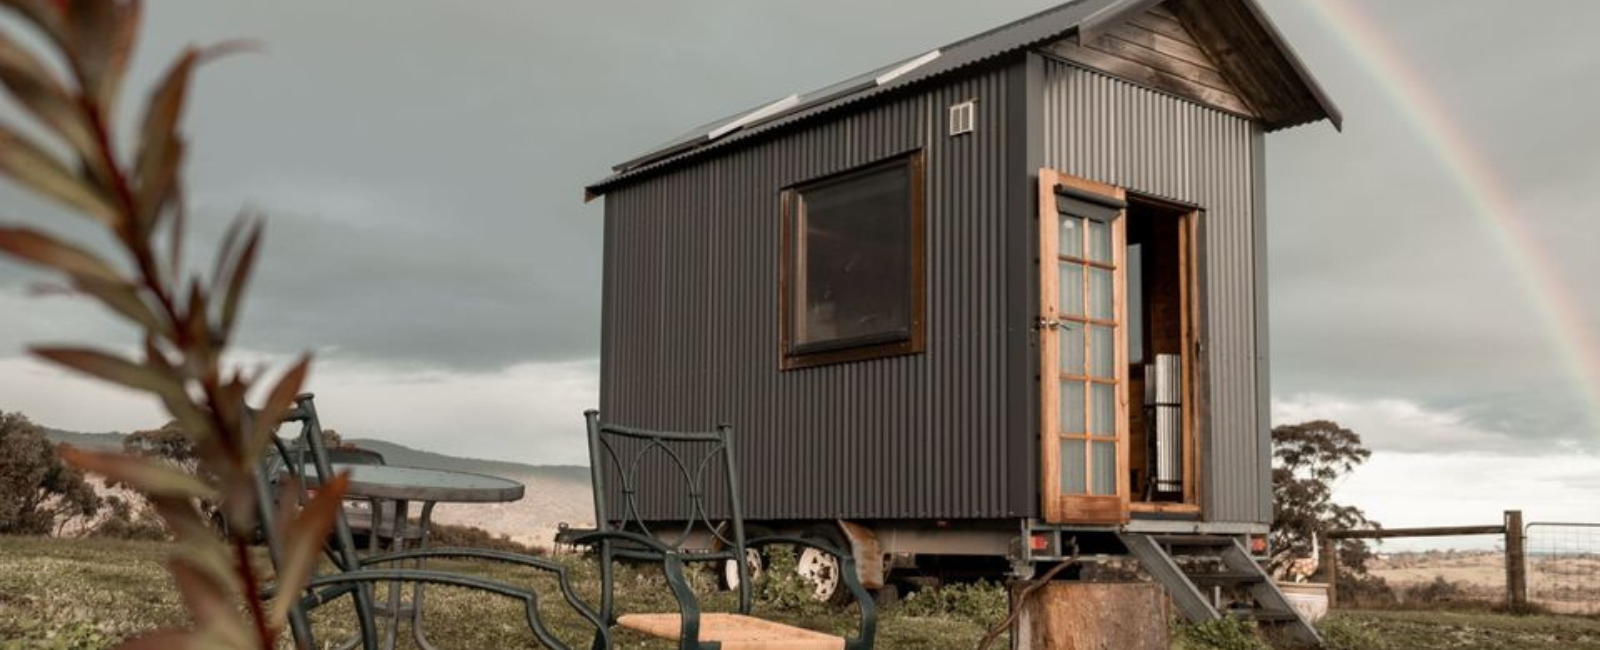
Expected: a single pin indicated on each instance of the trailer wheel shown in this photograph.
(821, 569)
(755, 560)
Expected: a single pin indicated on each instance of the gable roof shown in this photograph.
(1281, 71)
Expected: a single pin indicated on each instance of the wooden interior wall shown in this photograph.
(1157, 231)
(1156, 50)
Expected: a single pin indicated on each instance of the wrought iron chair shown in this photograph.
(355, 576)
(622, 453)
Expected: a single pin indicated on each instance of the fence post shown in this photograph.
(1516, 564)
(1330, 563)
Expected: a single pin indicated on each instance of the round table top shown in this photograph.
(418, 484)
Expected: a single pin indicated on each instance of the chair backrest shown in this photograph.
(696, 469)
(307, 451)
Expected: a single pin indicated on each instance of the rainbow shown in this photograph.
(1492, 203)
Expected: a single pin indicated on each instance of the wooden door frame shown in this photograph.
(1059, 508)
(1189, 333)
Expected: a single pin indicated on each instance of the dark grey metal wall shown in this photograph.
(1116, 132)
(690, 333)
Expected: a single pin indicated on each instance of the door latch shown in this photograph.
(1049, 324)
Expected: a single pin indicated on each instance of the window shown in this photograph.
(853, 266)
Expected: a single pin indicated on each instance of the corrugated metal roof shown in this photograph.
(1088, 16)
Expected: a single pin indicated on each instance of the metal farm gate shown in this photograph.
(1564, 566)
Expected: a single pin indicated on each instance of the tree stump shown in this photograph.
(1092, 616)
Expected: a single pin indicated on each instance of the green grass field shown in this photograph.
(71, 594)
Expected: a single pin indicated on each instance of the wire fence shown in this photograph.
(1564, 566)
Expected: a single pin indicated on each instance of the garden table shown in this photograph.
(398, 487)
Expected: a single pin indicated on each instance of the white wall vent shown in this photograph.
(962, 116)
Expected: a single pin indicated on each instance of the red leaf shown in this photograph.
(44, 250)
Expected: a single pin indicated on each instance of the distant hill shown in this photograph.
(112, 440)
(393, 454)
(396, 454)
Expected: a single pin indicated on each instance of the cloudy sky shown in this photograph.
(421, 163)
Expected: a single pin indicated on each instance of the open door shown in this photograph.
(1083, 343)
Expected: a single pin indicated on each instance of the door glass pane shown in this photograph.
(1072, 407)
(1100, 294)
(1073, 479)
(1071, 348)
(1102, 351)
(1071, 236)
(1102, 409)
(1104, 468)
(1071, 289)
(1100, 241)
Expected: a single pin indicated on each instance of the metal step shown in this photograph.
(1155, 553)
(1225, 578)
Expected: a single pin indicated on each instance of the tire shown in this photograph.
(755, 560)
(821, 569)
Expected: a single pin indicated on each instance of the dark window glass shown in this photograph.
(853, 261)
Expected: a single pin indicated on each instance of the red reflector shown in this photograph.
(1258, 544)
(1039, 542)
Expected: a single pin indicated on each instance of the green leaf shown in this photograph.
(160, 145)
(42, 94)
(125, 299)
(302, 545)
(111, 368)
(36, 170)
(44, 250)
(278, 402)
(44, 14)
(239, 278)
(90, 26)
(150, 476)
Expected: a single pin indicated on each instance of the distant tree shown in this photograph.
(168, 442)
(38, 493)
(1307, 459)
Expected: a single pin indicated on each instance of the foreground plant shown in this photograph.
(187, 318)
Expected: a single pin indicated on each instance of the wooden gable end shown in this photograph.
(1157, 50)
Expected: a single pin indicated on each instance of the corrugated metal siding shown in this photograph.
(1116, 132)
(690, 333)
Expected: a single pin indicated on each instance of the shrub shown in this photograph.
(1224, 634)
(125, 521)
(1436, 592)
(38, 492)
(981, 602)
(780, 587)
(474, 537)
(1340, 633)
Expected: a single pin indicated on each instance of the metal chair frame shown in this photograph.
(357, 575)
(630, 537)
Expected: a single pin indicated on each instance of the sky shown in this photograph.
(420, 166)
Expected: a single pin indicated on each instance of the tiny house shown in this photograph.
(1002, 301)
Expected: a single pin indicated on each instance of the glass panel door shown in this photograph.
(1082, 339)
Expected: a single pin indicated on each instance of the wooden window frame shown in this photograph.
(792, 212)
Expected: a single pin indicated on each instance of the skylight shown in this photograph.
(755, 116)
(908, 66)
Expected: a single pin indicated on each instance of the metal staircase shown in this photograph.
(1211, 576)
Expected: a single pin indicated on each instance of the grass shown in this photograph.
(88, 594)
(91, 593)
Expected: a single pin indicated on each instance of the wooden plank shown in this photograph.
(1436, 531)
(1115, 46)
(1169, 27)
(1166, 508)
(1073, 615)
(1049, 350)
(1184, 50)
(1516, 563)
(1150, 78)
(735, 632)
(1187, 301)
